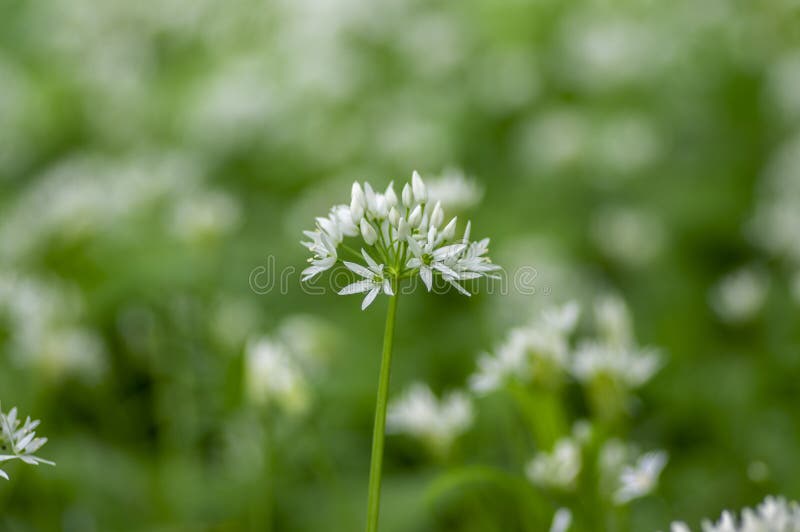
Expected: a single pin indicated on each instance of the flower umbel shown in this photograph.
(19, 442)
(401, 237)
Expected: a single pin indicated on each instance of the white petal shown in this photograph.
(3, 474)
(387, 288)
(359, 270)
(426, 275)
(358, 287)
(460, 288)
(370, 298)
(370, 261)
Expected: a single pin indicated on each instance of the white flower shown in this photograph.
(455, 191)
(272, 374)
(426, 257)
(630, 366)
(19, 443)
(641, 478)
(614, 354)
(374, 281)
(558, 469)
(537, 348)
(420, 414)
(561, 520)
(775, 514)
(406, 236)
(739, 296)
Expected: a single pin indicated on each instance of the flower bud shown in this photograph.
(381, 208)
(390, 195)
(415, 217)
(408, 197)
(420, 191)
(437, 217)
(394, 216)
(357, 203)
(449, 230)
(368, 232)
(369, 196)
(403, 230)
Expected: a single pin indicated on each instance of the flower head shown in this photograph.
(558, 469)
(401, 237)
(775, 514)
(19, 442)
(641, 478)
(438, 422)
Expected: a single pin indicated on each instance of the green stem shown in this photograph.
(379, 433)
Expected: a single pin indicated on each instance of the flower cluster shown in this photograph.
(775, 514)
(558, 469)
(541, 349)
(404, 236)
(19, 442)
(420, 414)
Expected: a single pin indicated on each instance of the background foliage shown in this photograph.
(154, 153)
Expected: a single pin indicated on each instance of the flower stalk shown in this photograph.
(379, 430)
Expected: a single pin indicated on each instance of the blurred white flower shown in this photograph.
(614, 354)
(207, 214)
(45, 330)
(19, 442)
(534, 350)
(420, 414)
(740, 295)
(630, 366)
(556, 139)
(559, 468)
(626, 144)
(783, 85)
(630, 236)
(272, 374)
(641, 478)
(561, 520)
(775, 514)
(605, 50)
(455, 190)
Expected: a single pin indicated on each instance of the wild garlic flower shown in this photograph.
(530, 351)
(19, 442)
(641, 478)
(420, 414)
(559, 468)
(775, 514)
(562, 520)
(614, 353)
(401, 237)
(271, 374)
(739, 296)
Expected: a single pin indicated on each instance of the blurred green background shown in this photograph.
(154, 154)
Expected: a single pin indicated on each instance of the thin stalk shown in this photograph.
(379, 432)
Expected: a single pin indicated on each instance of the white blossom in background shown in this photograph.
(45, 329)
(418, 413)
(202, 215)
(614, 354)
(455, 190)
(19, 442)
(783, 85)
(272, 374)
(561, 520)
(400, 236)
(630, 236)
(557, 469)
(739, 296)
(774, 514)
(641, 478)
(537, 348)
(626, 474)
(553, 140)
